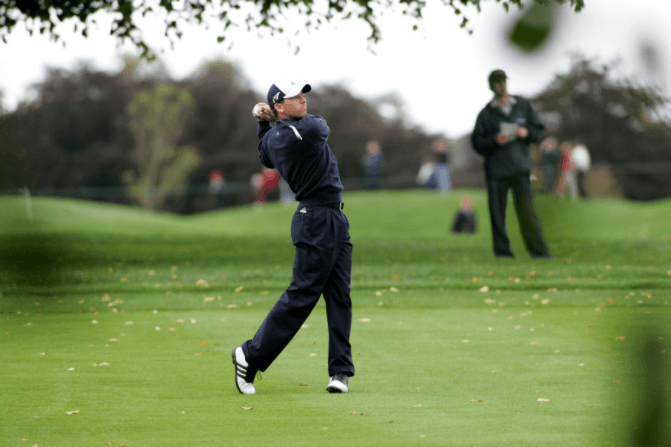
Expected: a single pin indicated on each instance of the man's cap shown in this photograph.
(497, 76)
(279, 91)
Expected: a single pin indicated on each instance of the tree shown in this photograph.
(48, 15)
(157, 117)
(72, 134)
(618, 120)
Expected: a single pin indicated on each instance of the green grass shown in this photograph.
(130, 317)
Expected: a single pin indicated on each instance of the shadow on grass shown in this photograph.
(35, 259)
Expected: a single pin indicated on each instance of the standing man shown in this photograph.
(319, 231)
(503, 131)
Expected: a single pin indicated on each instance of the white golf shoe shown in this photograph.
(244, 374)
(338, 383)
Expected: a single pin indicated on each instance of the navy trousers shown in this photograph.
(322, 265)
(530, 226)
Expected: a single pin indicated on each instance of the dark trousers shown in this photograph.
(532, 233)
(322, 265)
(581, 184)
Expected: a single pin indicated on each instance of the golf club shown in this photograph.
(292, 128)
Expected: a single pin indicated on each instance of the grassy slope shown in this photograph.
(416, 375)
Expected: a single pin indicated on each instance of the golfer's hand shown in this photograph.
(262, 112)
(522, 132)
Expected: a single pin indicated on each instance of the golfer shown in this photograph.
(297, 148)
(502, 133)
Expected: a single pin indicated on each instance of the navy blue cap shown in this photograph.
(277, 94)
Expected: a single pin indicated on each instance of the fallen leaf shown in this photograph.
(71, 369)
(202, 343)
(239, 289)
(364, 320)
(247, 408)
(543, 399)
(304, 326)
(313, 354)
(621, 337)
(202, 283)
(353, 412)
(325, 428)
(232, 306)
(302, 384)
(72, 412)
(393, 289)
(115, 340)
(417, 406)
(198, 353)
(465, 341)
(484, 289)
(94, 322)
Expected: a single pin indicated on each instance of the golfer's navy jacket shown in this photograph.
(307, 165)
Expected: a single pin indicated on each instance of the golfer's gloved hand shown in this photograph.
(261, 111)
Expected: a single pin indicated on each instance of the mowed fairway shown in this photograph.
(116, 327)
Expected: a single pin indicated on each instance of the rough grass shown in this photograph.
(129, 317)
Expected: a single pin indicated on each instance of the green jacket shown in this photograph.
(514, 156)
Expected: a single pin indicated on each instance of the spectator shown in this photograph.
(218, 186)
(583, 162)
(502, 134)
(267, 186)
(465, 220)
(425, 174)
(551, 156)
(373, 163)
(568, 172)
(442, 149)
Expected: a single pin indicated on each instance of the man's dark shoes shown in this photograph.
(244, 374)
(338, 383)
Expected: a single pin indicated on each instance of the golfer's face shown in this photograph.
(296, 107)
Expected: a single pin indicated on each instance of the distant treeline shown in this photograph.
(74, 132)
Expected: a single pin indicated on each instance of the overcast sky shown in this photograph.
(440, 72)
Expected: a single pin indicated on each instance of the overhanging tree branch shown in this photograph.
(47, 16)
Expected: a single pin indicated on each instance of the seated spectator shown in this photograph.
(465, 220)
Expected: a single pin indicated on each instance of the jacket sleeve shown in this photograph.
(262, 131)
(483, 137)
(535, 125)
(314, 130)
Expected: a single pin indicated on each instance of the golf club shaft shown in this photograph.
(292, 128)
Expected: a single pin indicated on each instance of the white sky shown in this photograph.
(440, 72)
